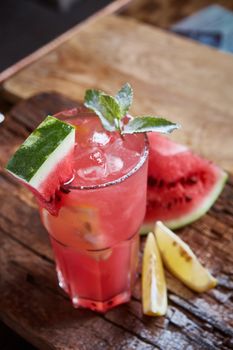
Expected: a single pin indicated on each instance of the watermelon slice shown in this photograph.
(181, 185)
(44, 161)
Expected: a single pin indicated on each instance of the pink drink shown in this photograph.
(95, 235)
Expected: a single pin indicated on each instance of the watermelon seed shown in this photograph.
(151, 181)
(57, 197)
(171, 184)
(161, 183)
(183, 181)
(64, 190)
(188, 198)
(192, 180)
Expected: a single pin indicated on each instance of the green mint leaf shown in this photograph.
(149, 123)
(92, 101)
(124, 98)
(111, 107)
(111, 110)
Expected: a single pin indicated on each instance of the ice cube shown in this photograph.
(92, 172)
(114, 164)
(97, 157)
(100, 138)
(93, 167)
(119, 158)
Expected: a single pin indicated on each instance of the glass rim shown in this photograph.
(72, 113)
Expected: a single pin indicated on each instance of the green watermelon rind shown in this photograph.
(42, 151)
(197, 213)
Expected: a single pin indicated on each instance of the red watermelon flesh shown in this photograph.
(181, 185)
(49, 195)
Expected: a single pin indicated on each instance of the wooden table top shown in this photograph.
(182, 80)
(186, 82)
(34, 306)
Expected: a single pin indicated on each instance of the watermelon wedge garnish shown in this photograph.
(44, 161)
(182, 186)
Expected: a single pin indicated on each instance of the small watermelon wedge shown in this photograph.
(44, 161)
(182, 186)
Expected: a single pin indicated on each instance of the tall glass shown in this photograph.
(95, 235)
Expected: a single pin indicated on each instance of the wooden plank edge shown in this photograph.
(7, 73)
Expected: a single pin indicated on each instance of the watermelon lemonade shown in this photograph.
(95, 235)
(87, 167)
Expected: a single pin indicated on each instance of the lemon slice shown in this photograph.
(154, 290)
(181, 261)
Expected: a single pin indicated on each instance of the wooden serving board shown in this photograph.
(32, 304)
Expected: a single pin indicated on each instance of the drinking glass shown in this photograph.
(95, 235)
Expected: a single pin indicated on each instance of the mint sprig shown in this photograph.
(112, 109)
(124, 98)
(93, 102)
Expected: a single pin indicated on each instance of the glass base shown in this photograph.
(101, 306)
(98, 280)
(95, 305)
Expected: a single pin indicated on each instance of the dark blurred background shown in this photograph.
(26, 25)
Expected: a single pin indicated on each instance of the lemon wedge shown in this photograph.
(154, 290)
(181, 261)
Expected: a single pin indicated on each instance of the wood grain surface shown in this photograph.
(33, 305)
(164, 13)
(182, 80)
